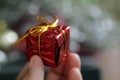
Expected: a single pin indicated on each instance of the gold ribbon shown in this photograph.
(39, 29)
(42, 28)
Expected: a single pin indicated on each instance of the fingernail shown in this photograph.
(33, 60)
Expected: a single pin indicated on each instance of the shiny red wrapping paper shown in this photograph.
(54, 45)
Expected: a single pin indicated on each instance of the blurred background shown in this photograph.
(95, 32)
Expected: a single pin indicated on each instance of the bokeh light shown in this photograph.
(8, 38)
(3, 57)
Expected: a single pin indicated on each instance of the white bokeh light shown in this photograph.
(8, 38)
(3, 57)
(11, 37)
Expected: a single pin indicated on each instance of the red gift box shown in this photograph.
(52, 45)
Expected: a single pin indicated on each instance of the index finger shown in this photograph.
(72, 61)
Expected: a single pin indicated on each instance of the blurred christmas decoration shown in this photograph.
(14, 56)
(3, 57)
(7, 39)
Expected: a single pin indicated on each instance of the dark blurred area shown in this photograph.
(95, 32)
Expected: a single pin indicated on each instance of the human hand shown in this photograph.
(67, 70)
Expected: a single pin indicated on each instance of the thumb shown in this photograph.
(34, 70)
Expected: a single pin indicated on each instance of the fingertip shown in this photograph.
(76, 57)
(74, 74)
(35, 60)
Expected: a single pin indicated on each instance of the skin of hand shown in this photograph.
(67, 70)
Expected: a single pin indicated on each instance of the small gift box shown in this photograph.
(49, 41)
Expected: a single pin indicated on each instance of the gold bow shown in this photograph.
(39, 29)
